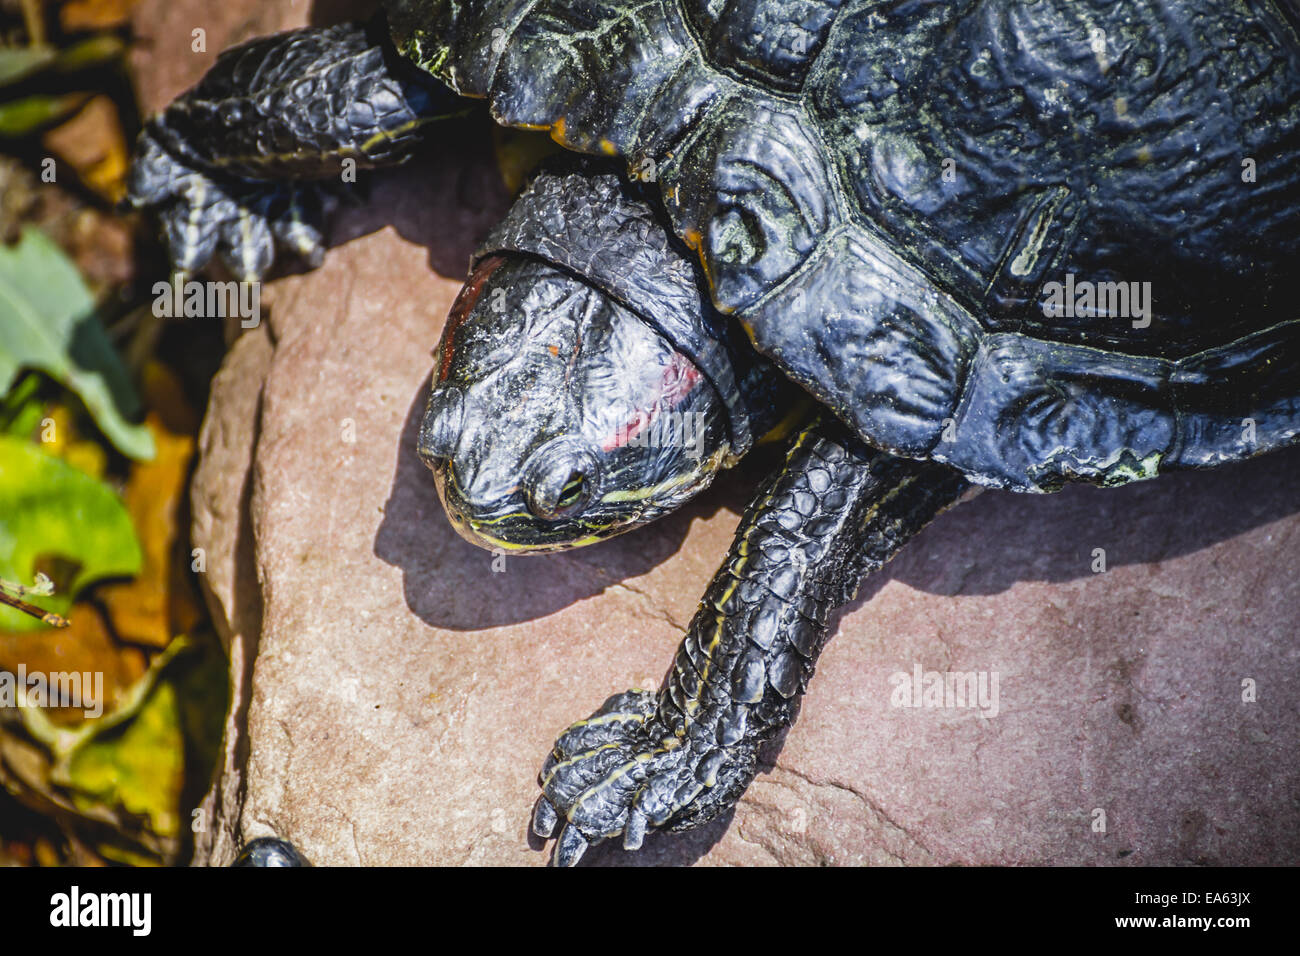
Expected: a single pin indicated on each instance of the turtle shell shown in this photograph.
(1039, 240)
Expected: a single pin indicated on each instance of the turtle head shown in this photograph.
(584, 386)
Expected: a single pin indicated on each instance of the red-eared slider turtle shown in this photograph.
(1013, 243)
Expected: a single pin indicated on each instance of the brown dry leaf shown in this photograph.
(139, 608)
(162, 393)
(79, 15)
(85, 645)
(160, 602)
(93, 144)
(26, 770)
(101, 245)
(123, 783)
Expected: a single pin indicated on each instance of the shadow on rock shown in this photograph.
(1001, 538)
(982, 547)
(446, 198)
(326, 13)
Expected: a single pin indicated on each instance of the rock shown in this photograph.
(177, 40)
(404, 694)
(221, 525)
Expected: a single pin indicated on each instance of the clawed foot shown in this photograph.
(242, 221)
(624, 772)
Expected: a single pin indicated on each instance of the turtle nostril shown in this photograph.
(443, 419)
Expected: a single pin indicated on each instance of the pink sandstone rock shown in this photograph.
(404, 695)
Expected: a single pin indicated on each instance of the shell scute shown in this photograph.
(773, 42)
(770, 203)
(860, 331)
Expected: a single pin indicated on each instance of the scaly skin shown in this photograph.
(230, 166)
(679, 758)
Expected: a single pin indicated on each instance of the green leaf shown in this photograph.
(29, 114)
(48, 509)
(90, 52)
(21, 63)
(48, 322)
(138, 765)
(23, 408)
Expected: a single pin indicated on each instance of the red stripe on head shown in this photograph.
(680, 376)
(461, 308)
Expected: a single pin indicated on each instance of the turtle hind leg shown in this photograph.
(679, 758)
(239, 165)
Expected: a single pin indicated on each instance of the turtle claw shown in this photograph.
(545, 818)
(634, 833)
(572, 844)
(623, 772)
(241, 221)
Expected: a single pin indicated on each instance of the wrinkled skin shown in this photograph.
(558, 417)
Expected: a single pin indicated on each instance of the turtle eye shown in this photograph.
(572, 492)
(559, 481)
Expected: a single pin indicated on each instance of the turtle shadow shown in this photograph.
(327, 13)
(982, 547)
(446, 198)
(663, 848)
(660, 848)
(1003, 538)
(452, 584)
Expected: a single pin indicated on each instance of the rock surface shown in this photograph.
(403, 694)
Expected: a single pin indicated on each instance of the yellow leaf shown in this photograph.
(93, 144)
(78, 15)
(160, 601)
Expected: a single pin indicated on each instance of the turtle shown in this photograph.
(937, 246)
(269, 852)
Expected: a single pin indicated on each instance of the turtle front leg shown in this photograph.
(676, 759)
(235, 166)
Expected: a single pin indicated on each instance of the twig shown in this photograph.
(11, 594)
(49, 617)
